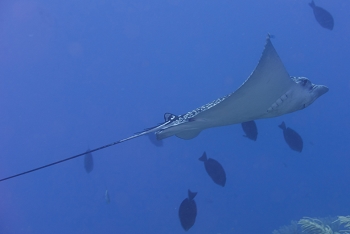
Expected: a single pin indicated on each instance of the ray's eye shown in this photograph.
(304, 82)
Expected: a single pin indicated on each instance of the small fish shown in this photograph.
(108, 200)
(250, 130)
(153, 138)
(292, 138)
(188, 211)
(214, 170)
(323, 17)
(88, 162)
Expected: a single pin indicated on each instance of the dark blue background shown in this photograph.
(78, 74)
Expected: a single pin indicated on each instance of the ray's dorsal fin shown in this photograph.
(169, 117)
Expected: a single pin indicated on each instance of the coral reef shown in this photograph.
(307, 225)
(344, 221)
(314, 226)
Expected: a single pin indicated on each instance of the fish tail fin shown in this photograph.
(282, 126)
(203, 158)
(312, 4)
(191, 195)
(251, 138)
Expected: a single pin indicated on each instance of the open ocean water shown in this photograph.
(81, 74)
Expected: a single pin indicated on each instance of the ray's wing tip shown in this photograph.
(269, 37)
(268, 42)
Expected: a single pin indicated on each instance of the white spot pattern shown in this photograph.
(186, 117)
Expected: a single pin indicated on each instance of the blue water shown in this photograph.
(81, 74)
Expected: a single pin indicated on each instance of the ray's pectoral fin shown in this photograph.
(268, 92)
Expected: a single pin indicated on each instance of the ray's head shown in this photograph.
(307, 91)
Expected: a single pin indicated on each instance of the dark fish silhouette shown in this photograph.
(292, 138)
(214, 170)
(188, 211)
(323, 17)
(250, 130)
(88, 162)
(153, 138)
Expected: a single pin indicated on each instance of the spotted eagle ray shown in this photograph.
(268, 92)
